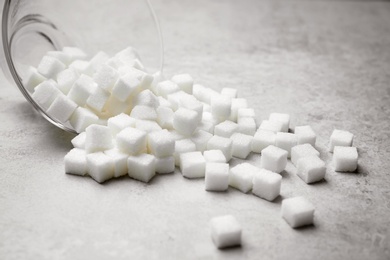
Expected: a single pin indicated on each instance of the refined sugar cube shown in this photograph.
(345, 159)
(131, 141)
(144, 113)
(147, 126)
(98, 139)
(45, 93)
(286, 141)
(204, 94)
(247, 125)
(340, 138)
(192, 165)
(305, 135)
(127, 55)
(75, 53)
(245, 112)
(267, 184)
(214, 156)
(161, 144)
(165, 117)
(100, 166)
(176, 98)
(120, 161)
(115, 107)
(241, 176)
(311, 169)
(82, 118)
(49, 67)
(185, 121)
(62, 108)
(229, 92)
(120, 122)
(193, 104)
(126, 86)
(176, 135)
(242, 145)
(274, 126)
(147, 98)
(237, 103)
(82, 67)
(297, 211)
(167, 87)
(282, 118)
(274, 159)
(32, 79)
(183, 146)
(217, 176)
(66, 79)
(221, 107)
(200, 139)
(61, 56)
(82, 89)
(206, 126)
(142, 167)
(262, 140)
(79, 140)
(225, 231)
(223, 144)
(106, 77)
(165, 165)
(226, 129)
(76, 162)
(184, 81)
(98, 99)
(302, 150)
(164, 102)
(98, 60)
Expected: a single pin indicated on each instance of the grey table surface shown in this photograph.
(326, 63)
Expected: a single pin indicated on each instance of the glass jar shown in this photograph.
(32, 28)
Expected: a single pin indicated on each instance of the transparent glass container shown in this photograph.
(31, 28)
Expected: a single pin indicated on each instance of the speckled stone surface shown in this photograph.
(326, 63)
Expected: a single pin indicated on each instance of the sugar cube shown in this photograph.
(120, 161)
(166, 87)
(82, 89)
(66, 79)
(99, 60)
(297, 211)
(221, 107)
(245, 112)
(165, 164)
(82, 118)
(305, 134)
(45, 93)
(98, 99)
(98, 138)
(217, 176)
(32, 79)
(147, 98)
(144, 113)
(286, 141)
(282, 118)
(183, 146)
(185, 121)
(237, 103)
(100, 166)
(274, 159)
(147, 126)
(215, 156)
(226, 129)
(274, 126)
(161, 144)
(345, 159)
(266, 184)
(204, 94)
(241, 176)
(184, 81)
(126, 86)
(61, 56)
(176, 135)
(106, 77)
(120, 122)
(247, 125)
(176, 98)
(82, 67)
(302, 150)
(223, 144)
(200, 139)
(165, 117)
(142, 167)
(206, 126)
(262, 140)
(79, 141)
(242, 145)
(229, 92)
(76, 162)
(311, 169)
(225, 231)
(62, 108)
(192, 165)
(340, 138)
(115, 107)
(74, 53)
(49, 67)
(131, 141)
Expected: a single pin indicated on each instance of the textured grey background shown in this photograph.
(326, 63)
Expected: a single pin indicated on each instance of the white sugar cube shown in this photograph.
(176, 98)
(214, 156)
(217, 176)
(144, 113)
(45, 93)
(192, 104)
(225, 231)
(165, 117)
(311, 169)
(76, 162)
(237, 103)
(98, 60)
(267, 184)
(66, 79)
(200, 139)
(131, 141)
(176, 135)
(246, 112)
(282, 118)
(120, 122)
(229, 92)
(297, 211)
(165, 165)
(340, 138)
(206, 126)
(142, 167)
(82, 67)
(183, 146)
(166, 87)
(61, 56)
(221, 107)
(204, 94)
(164, 102)
(115, 107)
(184, 81)
(98, 99)
(62, 108)
(286, 141)
(147, 98)
(242, 145)
(82, 89)
(223, 144)
(74, 53)
(305, 135)
(226, 128)
(192, 165)
(147, 126)
(82, 118)
(345, 159)
(157, 78)
(262, 140)
(49, 67)
(241, 176)
(100, 166)
(32, 79)
(301, 151)
(120, 161)
(98, 139)
(128, 54)
(247, 125)
(126, 86)
(79, 140)
(161, 144)
(274, 159)
(274, 126)
(185, 121)
(106, 77)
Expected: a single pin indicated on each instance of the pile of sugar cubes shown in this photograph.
(136, 124)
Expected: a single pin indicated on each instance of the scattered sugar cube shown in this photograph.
(98, 99)
(214, 156)
(286, 141)
(165, 117)
(82, 89)
(115, 107)
(161, 144)
(98, 139)
(237, 103)
(305, 134)
(192, 165)
(82, 118)
(345, 159)
(144, 113)
(61, 56)
(274, 159)
(311, 169)
(185, 121)
(62, 108)
(66, 79)
(206, 126)
(100, 166)
(283, 118)
(147, 126)
(226, 129)
(98, 60)
(221, 107)
(267, 184)
(241, 176)
(184, 81)
(302, 150)
(297, 211)
(176, 98)
(120, 161)
(193, 104)
(32, 79)
(183, 146)
(45, 93)
(79, 141)
(165, 165)
(131, 141)
(262, 140)
(229, 92)
(106, 77)
(204, 94)
(247, 125)
(126, 86)
(274, 126)
(225, 231)
(166, 87)
(120, 122)
(223, 144)
(147, 98)
(242, 145)
(200, 139)
(82, 67)
(49, 67)
(217, 176)
(340, 138)
(75, 53)
(246, 112)
(141, 167)
(76, 162)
